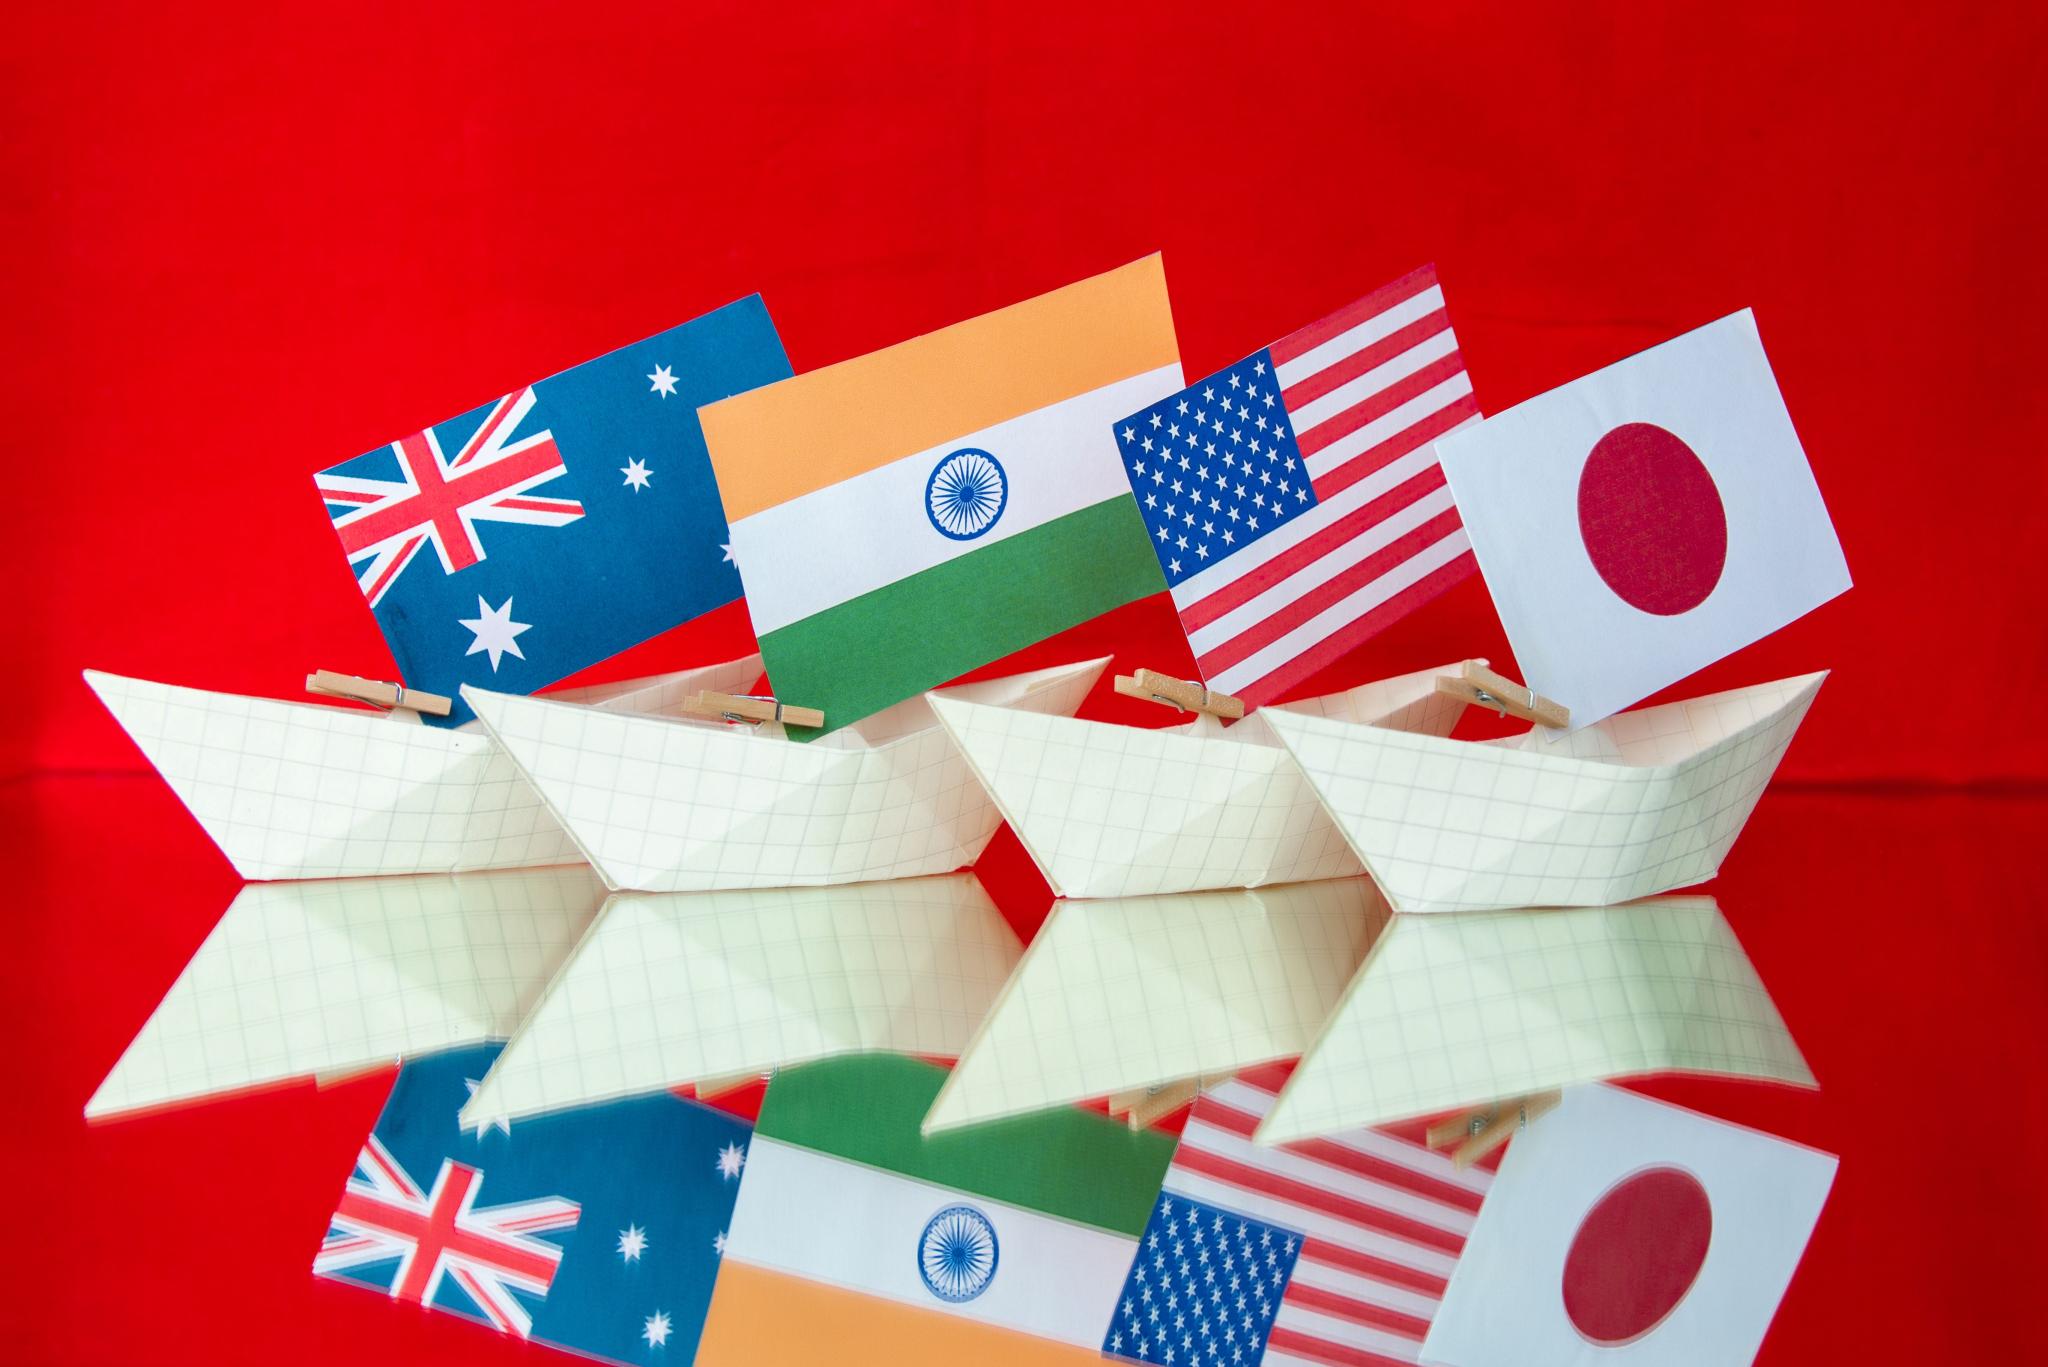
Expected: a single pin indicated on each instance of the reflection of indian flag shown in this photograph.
(901, 518)
(856, 1239)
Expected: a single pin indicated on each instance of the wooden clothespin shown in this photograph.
(1142, 1105)
(1486, 1129)
(1153, 686)
(375, 692)
(1476, 683)
(749, 707)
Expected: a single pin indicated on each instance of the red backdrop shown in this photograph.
(243, 246)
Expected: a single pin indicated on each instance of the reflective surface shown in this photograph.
(1901, 936)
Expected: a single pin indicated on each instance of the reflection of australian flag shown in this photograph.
(558, 525)
(598, 1231)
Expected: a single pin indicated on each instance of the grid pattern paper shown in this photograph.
(1134, 992)
(324, 979)
(1451, 1011)
(674, 988)
(1446, 825)
(309, 790)
(661, 805)
(1122, 811)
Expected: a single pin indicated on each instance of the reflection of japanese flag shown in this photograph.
(1639, 523)
(1626, 1232)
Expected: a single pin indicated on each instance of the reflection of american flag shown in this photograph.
(1334, 1251)
(1294, 499)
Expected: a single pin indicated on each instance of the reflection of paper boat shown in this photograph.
(1120, 811)
(306, 790)
(308, 979)
(1640, 803)
(674, 988)
(677, 806)
(1126, 994)
(1452, 1011)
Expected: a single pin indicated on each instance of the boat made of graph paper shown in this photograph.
(314, 790)
(1121, 811)
(1639, 803)
(672, 805)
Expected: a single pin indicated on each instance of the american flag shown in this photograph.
(1332, 1251)
(1294, 499)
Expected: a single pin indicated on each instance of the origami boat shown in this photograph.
(1122, 811)
(675, 988)
(307, 790)
(326, 978)
(662, 805)
(1125, 995)
(1454, 1011)
(1639, 803)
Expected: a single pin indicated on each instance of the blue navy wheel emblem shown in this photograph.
(966, 493)
(957, 1254)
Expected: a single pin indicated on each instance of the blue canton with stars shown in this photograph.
(1204, 1288)
(1215, 467)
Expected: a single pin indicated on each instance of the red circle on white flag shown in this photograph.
(1652, 520)
(1636, 1255)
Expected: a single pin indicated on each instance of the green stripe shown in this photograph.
(1074, 1164)
(894, 642)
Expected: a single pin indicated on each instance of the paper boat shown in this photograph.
(1122, 811)
(1127, 994)
(319, 979)
(1453, 1011)
(663, 805)
(308, 790)
(1639, 803)
(709, 987)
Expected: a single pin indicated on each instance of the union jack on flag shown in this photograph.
(384, 523)
(1295, 500)
(488, 1251)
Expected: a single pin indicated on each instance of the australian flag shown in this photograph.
(559, 525)
(599, 1230)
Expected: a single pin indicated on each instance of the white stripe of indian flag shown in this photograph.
(831, 1220)
(833, 544)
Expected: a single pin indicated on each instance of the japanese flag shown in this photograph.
(1621, 1232)
(1643, 521)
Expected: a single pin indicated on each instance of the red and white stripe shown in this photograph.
(1383, 1221)
(1368, 391)
(437, 501)
(489, 1252)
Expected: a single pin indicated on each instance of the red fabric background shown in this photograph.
(240, 247)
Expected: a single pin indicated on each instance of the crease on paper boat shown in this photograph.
(675, 988)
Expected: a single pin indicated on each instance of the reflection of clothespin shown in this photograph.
(1476, 683)
(749, 707)
(1153, 686)
(1142, 1105)
(1486, 1129)
(375, 692)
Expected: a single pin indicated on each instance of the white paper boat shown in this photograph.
(1639, 803)
(690, 987)
(309, 790)
(1124, 994)
(1454, 1011)
(1121, 811)
(322, 979)
(660, 805)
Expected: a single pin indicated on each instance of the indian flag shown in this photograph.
(907, 516)
(857, 1239)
